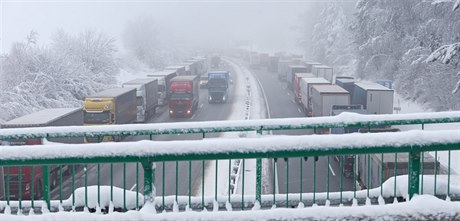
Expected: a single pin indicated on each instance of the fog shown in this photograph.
(265, 26)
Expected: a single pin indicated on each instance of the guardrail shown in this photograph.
(149, 153)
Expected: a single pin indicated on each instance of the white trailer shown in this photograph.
(323, 71)
(325, 96)
(163, 78)
(306, 85)
(293, 69)
(375, 98)
(146, 97)
(180, 69)
(283, 68)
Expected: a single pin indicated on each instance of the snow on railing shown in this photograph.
(224, 148)
(342, 120)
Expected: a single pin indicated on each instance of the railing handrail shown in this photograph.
(342, 120)
(224, 148)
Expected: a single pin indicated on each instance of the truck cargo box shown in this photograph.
(164, 77)
(180, 69)
(50, 117)
(293, 69)
(306, 85)
(283, 68)
(297, 79)
(347, 84)
(273, 64)
(375, 98)
(147, 96)
(310, 64)
(325, 96)
(323, 71)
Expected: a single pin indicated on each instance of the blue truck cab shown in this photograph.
(218, 86)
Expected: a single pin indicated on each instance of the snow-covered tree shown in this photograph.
(60, 75)
(447, 53)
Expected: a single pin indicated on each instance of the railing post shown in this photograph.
(414, 172)
(149, 181)
(46, 186)
(259, 174)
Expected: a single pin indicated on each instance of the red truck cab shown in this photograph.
(183, 96)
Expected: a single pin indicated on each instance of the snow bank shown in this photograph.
(420, 207)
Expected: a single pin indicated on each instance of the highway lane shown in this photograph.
(282, 105)
(206, 112)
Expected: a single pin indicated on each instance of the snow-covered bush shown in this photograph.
(59, 75)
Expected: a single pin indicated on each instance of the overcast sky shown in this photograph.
(268, 25)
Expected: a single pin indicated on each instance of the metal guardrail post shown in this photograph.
(414, 172)
(259, 174)
(149, 181)
(46, 185)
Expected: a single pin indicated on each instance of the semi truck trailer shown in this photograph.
(146, 97)
(323, 71)
(180, 69)
(43, 118)
(218, 86)
(164, 78)
(292, 70)
(325, 96)
(297, 79)
(375, 98)
(184, 96)
(111, 106)
(306, 85)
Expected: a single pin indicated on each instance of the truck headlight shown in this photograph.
(170, 111)
(188, 111)
(210, 98)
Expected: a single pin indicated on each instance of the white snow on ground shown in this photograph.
(418, 208)
(408, 107)
(248, 104)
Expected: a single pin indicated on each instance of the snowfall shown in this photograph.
(250, 106)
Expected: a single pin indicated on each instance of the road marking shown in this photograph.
(332, 171)
(132, 188)
(300, 111)
(293, 101)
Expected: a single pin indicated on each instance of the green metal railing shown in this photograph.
(149, 159)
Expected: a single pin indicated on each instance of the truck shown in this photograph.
(180, 69)
(111, 106)
(306, 85)
(273, 63)
(202, 65)
(310, 64)
(283, 68)
(264, 59)
(43, 118)
(323, 71)
(215, 61)
(297, 79)
(189, 68)
(293, 69)
(375, 98)
(184, 96)
(348, 160)
(146, 97)
(218, 86)
(323, 97)
(347, 84)
(163, 77)
(377, 163)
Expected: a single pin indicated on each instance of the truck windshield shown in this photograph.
(217, 83)
(96, 117)
(181, 96)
